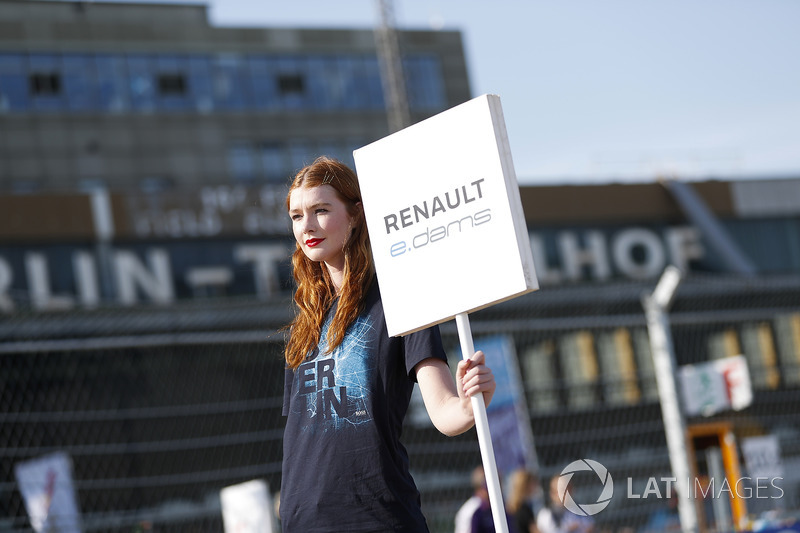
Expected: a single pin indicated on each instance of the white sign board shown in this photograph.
(247, 508)
(762, 456)
(444, 216)
(47, 489)
(716, 386)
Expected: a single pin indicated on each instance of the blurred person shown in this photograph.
(555, 518)
(482, 519)
(347, 383)
(524, 500)
(463, 521)
(475, 515)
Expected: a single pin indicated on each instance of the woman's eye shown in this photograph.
(296, 217)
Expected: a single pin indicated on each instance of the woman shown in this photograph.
(348, 384)
(522, 500)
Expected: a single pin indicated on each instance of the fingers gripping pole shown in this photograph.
(484, 437)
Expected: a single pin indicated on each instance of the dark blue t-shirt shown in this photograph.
(344, 468)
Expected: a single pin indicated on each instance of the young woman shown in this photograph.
(523, 500)
(348, 384)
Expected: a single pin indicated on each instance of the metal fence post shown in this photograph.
(658, 328)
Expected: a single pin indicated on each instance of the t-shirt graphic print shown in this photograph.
(336, 385)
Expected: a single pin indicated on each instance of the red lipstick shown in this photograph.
(313, 242)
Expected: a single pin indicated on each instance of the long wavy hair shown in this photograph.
(521, 481)
(315, 293)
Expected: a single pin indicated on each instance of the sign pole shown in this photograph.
(663, 352)
(484, 437)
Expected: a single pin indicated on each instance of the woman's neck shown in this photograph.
(337, 278)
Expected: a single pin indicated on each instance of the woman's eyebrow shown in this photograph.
(312, 206)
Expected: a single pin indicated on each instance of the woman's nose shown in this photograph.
(307, 224)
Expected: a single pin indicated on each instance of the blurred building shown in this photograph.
(144, 277)
(133, 96)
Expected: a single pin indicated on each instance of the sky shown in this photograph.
(600, 91)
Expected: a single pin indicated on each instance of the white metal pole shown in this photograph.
(484, 437)
(663, 352)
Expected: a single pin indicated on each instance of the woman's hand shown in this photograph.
(473, 377)
(447, 400)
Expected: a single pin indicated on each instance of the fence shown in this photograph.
(160, 408)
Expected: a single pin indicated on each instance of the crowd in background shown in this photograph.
(528, 509)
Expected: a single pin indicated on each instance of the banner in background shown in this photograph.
(719, 385)
(248, 508)
(48, 492)
(509, 420)
(762, 456)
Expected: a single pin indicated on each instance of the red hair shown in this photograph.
(315, 293)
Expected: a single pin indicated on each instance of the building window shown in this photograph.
(89, 185)
(618, 364)
(273, 160)
(291, 84)
(758, 346)
(425, 83)
(241, 162)
(301, 153)
(25, 187)
(171, 84)
(644, 361)
(14, 93)
(112, 84)
(156, 184)
(146, 82)
(140, 81)
(538, 363)
(79, 85)
(229, 77)
(199, 82)
(580, 369)
(45, 84)
(787, 332)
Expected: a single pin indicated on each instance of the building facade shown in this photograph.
(149, 97)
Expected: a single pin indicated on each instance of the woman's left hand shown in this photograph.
(473, 376)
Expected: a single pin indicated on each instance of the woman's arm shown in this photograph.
(448, 402)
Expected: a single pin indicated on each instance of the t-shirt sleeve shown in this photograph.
(421, 345)
(288, 379)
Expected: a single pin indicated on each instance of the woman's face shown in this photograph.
(320, 223)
